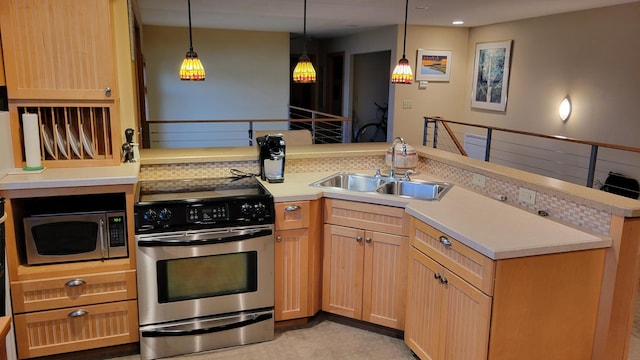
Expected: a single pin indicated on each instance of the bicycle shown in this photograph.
(375, 131)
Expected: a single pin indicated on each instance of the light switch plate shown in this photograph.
(406, 104)
(527, 196)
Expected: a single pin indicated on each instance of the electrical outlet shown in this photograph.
(478, 180)
(527, 196)
(406, 104)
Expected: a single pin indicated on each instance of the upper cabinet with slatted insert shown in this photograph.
(60, 63)
(58, 49)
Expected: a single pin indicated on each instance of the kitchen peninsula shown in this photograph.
(580, 221)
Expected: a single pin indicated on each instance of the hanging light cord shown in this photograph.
(406, 11)
(190, 37)
(304, 29)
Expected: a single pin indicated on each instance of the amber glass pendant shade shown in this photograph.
(304, 71)
(191, 68)
(402, 73)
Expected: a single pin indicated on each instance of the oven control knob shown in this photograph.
(247, 210)
(150, 215)
(259, 210)
(165, 215)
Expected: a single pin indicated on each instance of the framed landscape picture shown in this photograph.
(433, 65)
(491, 75)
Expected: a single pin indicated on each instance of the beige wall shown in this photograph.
(247, 74)
(444, 99)
(591, 55)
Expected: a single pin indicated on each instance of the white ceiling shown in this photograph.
(329, 18)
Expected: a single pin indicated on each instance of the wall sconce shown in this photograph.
(565, 109)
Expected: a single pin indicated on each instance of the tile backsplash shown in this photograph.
(554, 206)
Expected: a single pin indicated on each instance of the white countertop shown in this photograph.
(78, 176)
(489, 226)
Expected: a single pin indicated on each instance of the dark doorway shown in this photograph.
(335, 83)
(371, 79)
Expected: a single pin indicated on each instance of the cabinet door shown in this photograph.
(73, 329)
(385, 279)
(424, 306)
(291, 274)
(57, 49)
(447, 318)
(466, 314)
(343, 266)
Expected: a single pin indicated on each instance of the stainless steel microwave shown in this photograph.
(60, 238)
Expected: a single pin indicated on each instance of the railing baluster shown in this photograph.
(592, 165)
(487, 149)
(435, 134)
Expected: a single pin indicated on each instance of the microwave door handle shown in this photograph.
(102, 244)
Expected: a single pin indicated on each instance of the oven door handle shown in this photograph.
(208, 241)
(208, 330)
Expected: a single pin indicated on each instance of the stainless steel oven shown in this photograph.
(205, 268)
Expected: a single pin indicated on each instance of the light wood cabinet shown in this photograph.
(463, 305)
(67, 307)
(60, 63)
(447, 318)
(58, 49)
(78, 328)
(364, 265)
(85, 289)
(297, 260)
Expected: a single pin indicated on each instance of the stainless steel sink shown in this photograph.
(351, 181)
(416, 189)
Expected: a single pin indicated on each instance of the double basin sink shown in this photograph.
(415, 189)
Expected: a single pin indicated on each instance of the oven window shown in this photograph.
(65, 237)
(207, 276)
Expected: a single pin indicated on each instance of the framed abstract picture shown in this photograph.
(491, 75)
(433, 65)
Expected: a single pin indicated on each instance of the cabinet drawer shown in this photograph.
(292, 215)
(386, 219)
(79, 328)
(467, 263)
(54, 293)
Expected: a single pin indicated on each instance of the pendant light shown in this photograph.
(304, 71)
(402, 73)
(191, 68)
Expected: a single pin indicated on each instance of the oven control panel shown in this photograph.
(184, 216)
(207, 213)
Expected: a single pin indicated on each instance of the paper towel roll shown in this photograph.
(31, 134)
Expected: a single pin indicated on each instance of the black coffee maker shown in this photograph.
(272, 153)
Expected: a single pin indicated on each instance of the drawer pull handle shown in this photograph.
(78, 313)
(367, 239)
(444, 241)
(278, 238)
(75, 282)
(107, 91)
(444, 281)
(292, 208)
(437, 276)
(359, 238)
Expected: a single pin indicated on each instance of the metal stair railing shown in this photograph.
(550, 155)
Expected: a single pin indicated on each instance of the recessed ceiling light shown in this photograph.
(457, 22)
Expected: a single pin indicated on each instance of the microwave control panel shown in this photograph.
(117, 231)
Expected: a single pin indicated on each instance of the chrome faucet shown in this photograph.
(392, 171)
